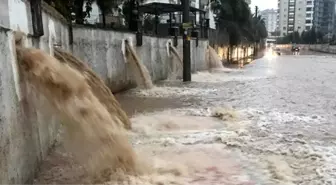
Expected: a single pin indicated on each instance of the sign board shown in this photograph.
(187, 25)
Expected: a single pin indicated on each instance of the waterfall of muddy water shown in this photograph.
(93, 135)
(213, 60)
(177, 62)
(140, 72)
(176, 54)
(100, 90)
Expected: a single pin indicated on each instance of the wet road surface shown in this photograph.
(272, 122)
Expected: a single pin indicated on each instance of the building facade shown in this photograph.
(301, 15)
(270, 17)
(324, 16)
(294, 15)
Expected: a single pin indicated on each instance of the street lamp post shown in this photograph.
(186, 42)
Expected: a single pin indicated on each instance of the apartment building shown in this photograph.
(324, 16)
(270, 17)
(294, 15)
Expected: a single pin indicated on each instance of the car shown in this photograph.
(295, 50)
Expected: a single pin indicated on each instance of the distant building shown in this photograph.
(294, 15)
(270, 17)
(324, 16)
(301, 15)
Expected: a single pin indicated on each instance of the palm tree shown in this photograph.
(259, 31)
(259, 28)
(232, 16)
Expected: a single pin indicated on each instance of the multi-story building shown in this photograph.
(300, 15)
(324, 16)
(294, 15)
(270, 17)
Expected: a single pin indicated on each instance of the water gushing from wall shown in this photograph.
(101, 91)
(213, 59)
(93, 134)
(176, 61)
(140, 72)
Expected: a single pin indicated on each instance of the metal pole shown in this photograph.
(186, 42)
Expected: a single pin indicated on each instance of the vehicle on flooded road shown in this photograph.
(295, 50)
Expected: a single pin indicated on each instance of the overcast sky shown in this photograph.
(264, 4)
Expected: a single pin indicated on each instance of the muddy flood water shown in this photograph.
(272, 122)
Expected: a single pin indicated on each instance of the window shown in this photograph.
(284, 28)
(309, 9)
(299, 27)
(307, 27)
(308, 21)
(308, 15)
(309, 2)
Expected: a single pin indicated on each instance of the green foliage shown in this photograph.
(234, 16)
(306, 37)
(62, 6)
(66, 7)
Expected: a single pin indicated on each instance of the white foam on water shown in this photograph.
(166, 91)
(275, 158)
(222, 75)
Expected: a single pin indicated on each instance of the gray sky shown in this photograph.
(264, 4)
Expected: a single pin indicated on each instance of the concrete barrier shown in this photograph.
(323, 48)
(102, 50)
(26, 132)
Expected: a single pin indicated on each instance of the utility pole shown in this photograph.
(186, 41)
(256, 11)
(255, 42)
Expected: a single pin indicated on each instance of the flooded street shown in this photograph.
(271, 122)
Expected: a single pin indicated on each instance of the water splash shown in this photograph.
(93, 135)
(101, 91)
(140, 72)
(213, 59)
(177, 63)
(52, 36)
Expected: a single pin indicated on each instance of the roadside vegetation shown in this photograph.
(236, 24)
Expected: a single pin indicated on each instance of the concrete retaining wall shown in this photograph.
(324, 48)
(26, 133)
(101, 49)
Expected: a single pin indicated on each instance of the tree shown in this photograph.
(66, 7)
(275, 33)
(259, 28)
(105, 6)
(306, 37)
(312, 36)
(232, 17)
(296, 37)
(333, 39)
(319, 36)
